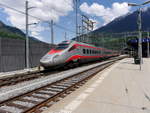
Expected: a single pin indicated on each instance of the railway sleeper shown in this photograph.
(58, 87)
(17, 105)
(55, 89)
(64, 85)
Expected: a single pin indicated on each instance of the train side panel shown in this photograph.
(75, 52)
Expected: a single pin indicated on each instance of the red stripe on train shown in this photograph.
(54, 51)
(93, 47)
(88, 46)
(81, 57)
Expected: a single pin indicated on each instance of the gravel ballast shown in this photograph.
(20, 88)
(11, 109)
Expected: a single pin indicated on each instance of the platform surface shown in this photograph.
(122, 88)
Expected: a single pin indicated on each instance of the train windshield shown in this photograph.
(61, 46)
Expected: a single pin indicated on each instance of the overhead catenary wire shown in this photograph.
(64, 28)
(21, 12)
(57, 25)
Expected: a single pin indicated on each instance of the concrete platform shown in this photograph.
(18, 72)
(122, 88)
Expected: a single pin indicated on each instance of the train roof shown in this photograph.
(84, 44)
(90, 45)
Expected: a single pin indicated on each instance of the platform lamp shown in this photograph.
(139, 28)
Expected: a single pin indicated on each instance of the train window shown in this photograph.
(87, 51)
(61, 46)
(90, 51)
(84, 51)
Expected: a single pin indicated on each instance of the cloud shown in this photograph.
(44, 9)
(107, 14)
(37, 35)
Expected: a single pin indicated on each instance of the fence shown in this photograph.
(12, 53)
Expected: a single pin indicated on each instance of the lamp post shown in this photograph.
(27, 34)
(76, 19)
(52, 31)
(139, 28)
(51, 26)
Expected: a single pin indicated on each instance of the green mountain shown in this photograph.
(12, 32)
(127, 23)
(116, 34)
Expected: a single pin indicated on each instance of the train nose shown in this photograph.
(45, 63)
(48, 60)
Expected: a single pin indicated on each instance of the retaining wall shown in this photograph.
(12, 53)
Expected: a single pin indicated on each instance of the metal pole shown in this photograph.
(0, 54)
(140, 38)
(65, 36)
(83, 35)
(27, 38)
(52, 32)
(102, 36)
(76, 3)
(124, 45)
(148, 44)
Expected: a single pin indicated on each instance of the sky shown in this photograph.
(62, 12)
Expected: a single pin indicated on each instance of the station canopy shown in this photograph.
(134, 42)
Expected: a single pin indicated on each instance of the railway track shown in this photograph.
(12, 80)
(35, 101)
(18, 78)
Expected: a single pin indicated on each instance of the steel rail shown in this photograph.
(18, 78)
(50, 93)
